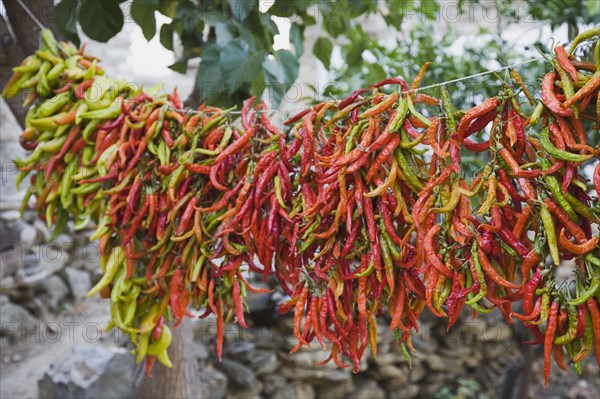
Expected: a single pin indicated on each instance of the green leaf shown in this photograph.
(246, 72)
(429, 8)
(180, 66)
(241, 9)
(322, 50)
(297, 38)
(281, 71)
(65, 16)
(593, 7)
(142, 12)
(335, 17)
(167, 7)
(100, 19)
(284, 8)
(209, 76)
(166, 36)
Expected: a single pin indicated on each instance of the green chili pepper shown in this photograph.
(559, 154)
(581, 209)
(571, 332)
(411, 178)
(62, 218)
(401, 112)
(550, 232)
(416, 114)
(587, 294)
(277, 184)
(29, 64)
(536, 114)
(50, 106)
(480, 277)
(557, 192)
(567, 84)
(55, 72)
(49, 41)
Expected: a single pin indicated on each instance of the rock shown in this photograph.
(407, 392)
(435, 363)
(496, 332)
(308, 358)
(417, 373)
(11, 261)
(263, 361)
(65, 242)
(57, 290)
(397, 375)
(270, 338)
(88, 372)
(50, 256)
(335, 391)
(11, 130)
(239, 375)
(79, 281)
(296, 390)
(240, 350)
(368, 390)
(496, 350)
(253, 393)
(10, 215)
(199, 350)
(16, 234)
(3, 299)
(11, 197)
(473, 360)
(16, 321)
(423, 343)
(431, 390)
(273, 382)
(317, 376)
(42, 229)
(214, 383)
(259, 302)
(384, 359)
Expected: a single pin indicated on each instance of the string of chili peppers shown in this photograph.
(362, 209)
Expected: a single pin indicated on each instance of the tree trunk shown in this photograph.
(11, 56)
(182, 381)
(23, 26)
(25, 31)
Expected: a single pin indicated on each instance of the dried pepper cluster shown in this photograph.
(360, 209)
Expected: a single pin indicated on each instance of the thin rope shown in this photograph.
(476, 75)
(31, 14)
(192, 110)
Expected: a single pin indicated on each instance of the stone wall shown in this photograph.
(475, 359)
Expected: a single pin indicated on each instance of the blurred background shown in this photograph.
(293, 53)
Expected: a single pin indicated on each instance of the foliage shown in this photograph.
(405, 61)
(234, 38)
(467, 388)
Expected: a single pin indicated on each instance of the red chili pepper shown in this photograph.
(238, 304)
(594, 309)
(549, 97)
(351, 98)
(391, 81)
(508, 237)
(549, 339)
(475, 112)
(82, 87)
(563, 59)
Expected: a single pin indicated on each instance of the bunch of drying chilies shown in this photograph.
(360, 208)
